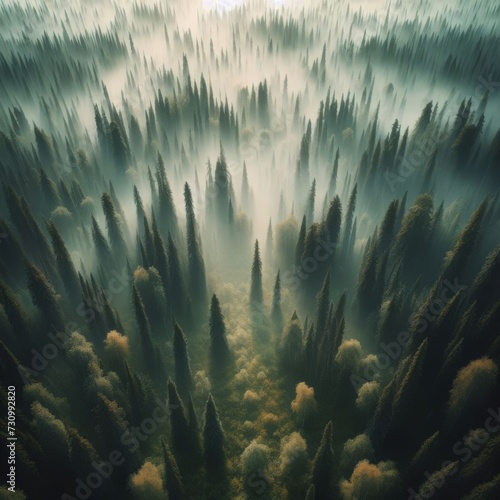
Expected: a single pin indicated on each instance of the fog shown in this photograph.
(280, 217)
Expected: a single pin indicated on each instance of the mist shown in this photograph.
(249, 249)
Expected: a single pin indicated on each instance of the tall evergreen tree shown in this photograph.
(65, 265)
(276, 313)
(323, 465)
(179, 426)
(101, 245)
(196, 264)
(178, 292)
(172, 478)
(256, 293)
(219, 349)
(144, 329)
(183, 378)
(166, 207)
(44, 297)
(213, 440)
(114, 226)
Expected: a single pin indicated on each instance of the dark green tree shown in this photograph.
(213, 441)
(183, 378)
(219, 349)
(44, 297)
(114, 226)
(323, 465)
(256, 293)
(65, 265)
(276, 313)
(144, 329)
(172, 479)
(196, 264)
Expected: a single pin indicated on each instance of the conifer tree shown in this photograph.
(299, 249)
(179, 427)
(113, 224)
(276, 313)
(17, 315)
(323, 465)
(44, 296)
(172, 479)
(311, 199)
(183, 378)
(323, 306)
(166, 207)
(222, 181)
(101, 245)
(196, 264)
(349, 217)
(144, 328)
(176, 279)
(65, 265)
(213, 440)
(256, 293)
(219, 348)
(387, 227)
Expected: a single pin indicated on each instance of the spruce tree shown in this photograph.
(276, 313)
(213, 440)
(183, 378)
(44, 297)
(144, 329)
(323, 465)
(196, 264)
(166, 206)
(65, 265)
(177, 292)
(172, 479)
(179, 427)
(101, 245)
(256, 293)
(115, 231)
(219, 349)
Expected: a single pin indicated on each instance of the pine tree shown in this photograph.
(179, 427)
(311, 199)
(111, 427)
(183, 378)
(65, 265)
(456, 259)
(256, 293)
(44, 297)
(299, 248)
(101, 245)
(144, 329)
(178, 292)
(276, 313)
(166, 206)
(331, 227)
(269, 244)
(18, 318)
(119, 147)
(367, 279)
(349, 216)
(194, 431)
(173, 481)
(221, 180)
(213, 440)
(323, 465)
(219, 349)
(196, 264)
(387, 227)
(323, 306)
(113, 224)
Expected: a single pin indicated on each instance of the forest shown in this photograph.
(250, 249)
